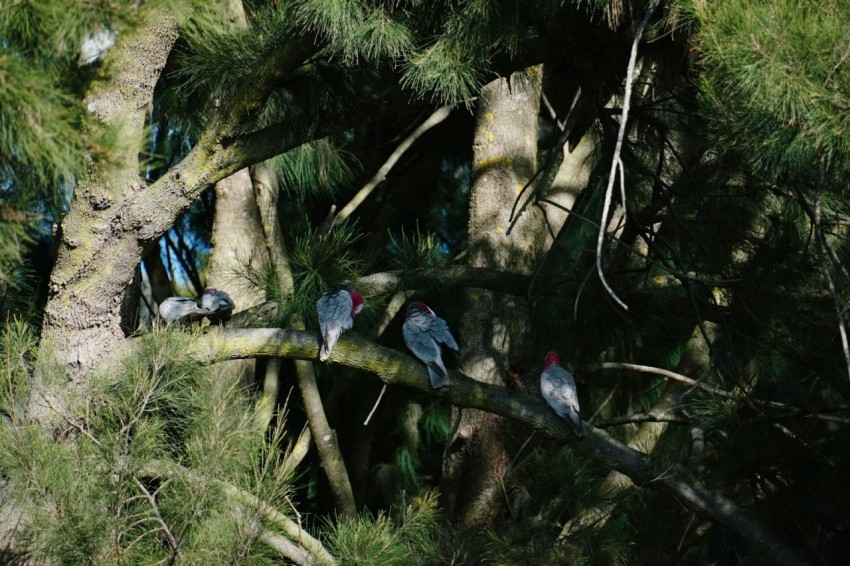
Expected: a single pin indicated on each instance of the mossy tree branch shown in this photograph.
(396, 368)
(453, 276)
(307, 551)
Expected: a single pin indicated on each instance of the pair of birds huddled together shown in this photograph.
(214, 305)
(425, 333)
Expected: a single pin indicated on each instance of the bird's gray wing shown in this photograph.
(225, 301)
(559, 390)
(417, 336)
(566, 387)
(441, 333)
(334, 310)
(176, 308)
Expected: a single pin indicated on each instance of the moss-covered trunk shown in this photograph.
(99, 250)
(494, 333)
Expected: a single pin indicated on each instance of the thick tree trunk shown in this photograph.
(98, 255)
(237, 240)
(158, 278)
(237, 245)
(494, 332)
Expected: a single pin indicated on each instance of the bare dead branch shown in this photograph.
(651, 417)
(169, 536)
(616, 160)
(381, 175)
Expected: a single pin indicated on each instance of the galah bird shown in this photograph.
(181, 310)
(219, 304)
(424, 332)
(559, 390)
(337, 308)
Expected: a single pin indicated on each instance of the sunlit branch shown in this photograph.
(310, 550)
(381, 175)
(395, 368)
(643, 418)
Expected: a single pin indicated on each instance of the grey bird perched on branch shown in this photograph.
(559, 390)
(424, 333)
(219, 304)
(181, 310)
(336, 308)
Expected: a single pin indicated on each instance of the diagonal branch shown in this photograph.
(381, 175)
(453, 276)
(315, 552)
(320, 430)
(396, 368)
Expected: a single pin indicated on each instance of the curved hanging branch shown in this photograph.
(308, 550)
(616, 160)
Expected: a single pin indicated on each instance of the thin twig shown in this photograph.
(70, 420)
(651, 417)
(616, 162)
(375, 406)
(297, 517)
(381, 175)
(657, 371)
(795, 412)
(172, 542)
(622, 181)
(815, 218)
(834, 70)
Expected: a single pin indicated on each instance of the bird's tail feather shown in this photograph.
(574, 420)
(439, 376)
(325, 350)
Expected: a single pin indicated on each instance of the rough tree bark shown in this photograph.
(97, 257)
(237, 244)
(237, 240)
(115, 218)
(494, 332)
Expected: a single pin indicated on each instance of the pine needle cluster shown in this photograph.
(413, 537)
(414, 250)
(321, 167)
(167, 463)
(780, 100)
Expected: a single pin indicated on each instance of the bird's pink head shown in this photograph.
(357, 302)
(210, 289)
(552, 359)
(419, 305)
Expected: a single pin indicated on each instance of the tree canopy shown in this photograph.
(654, 190)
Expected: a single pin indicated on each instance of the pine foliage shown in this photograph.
(317, 168)
(163, 449)
(411, 538)
(781, 99)
(732, 223)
